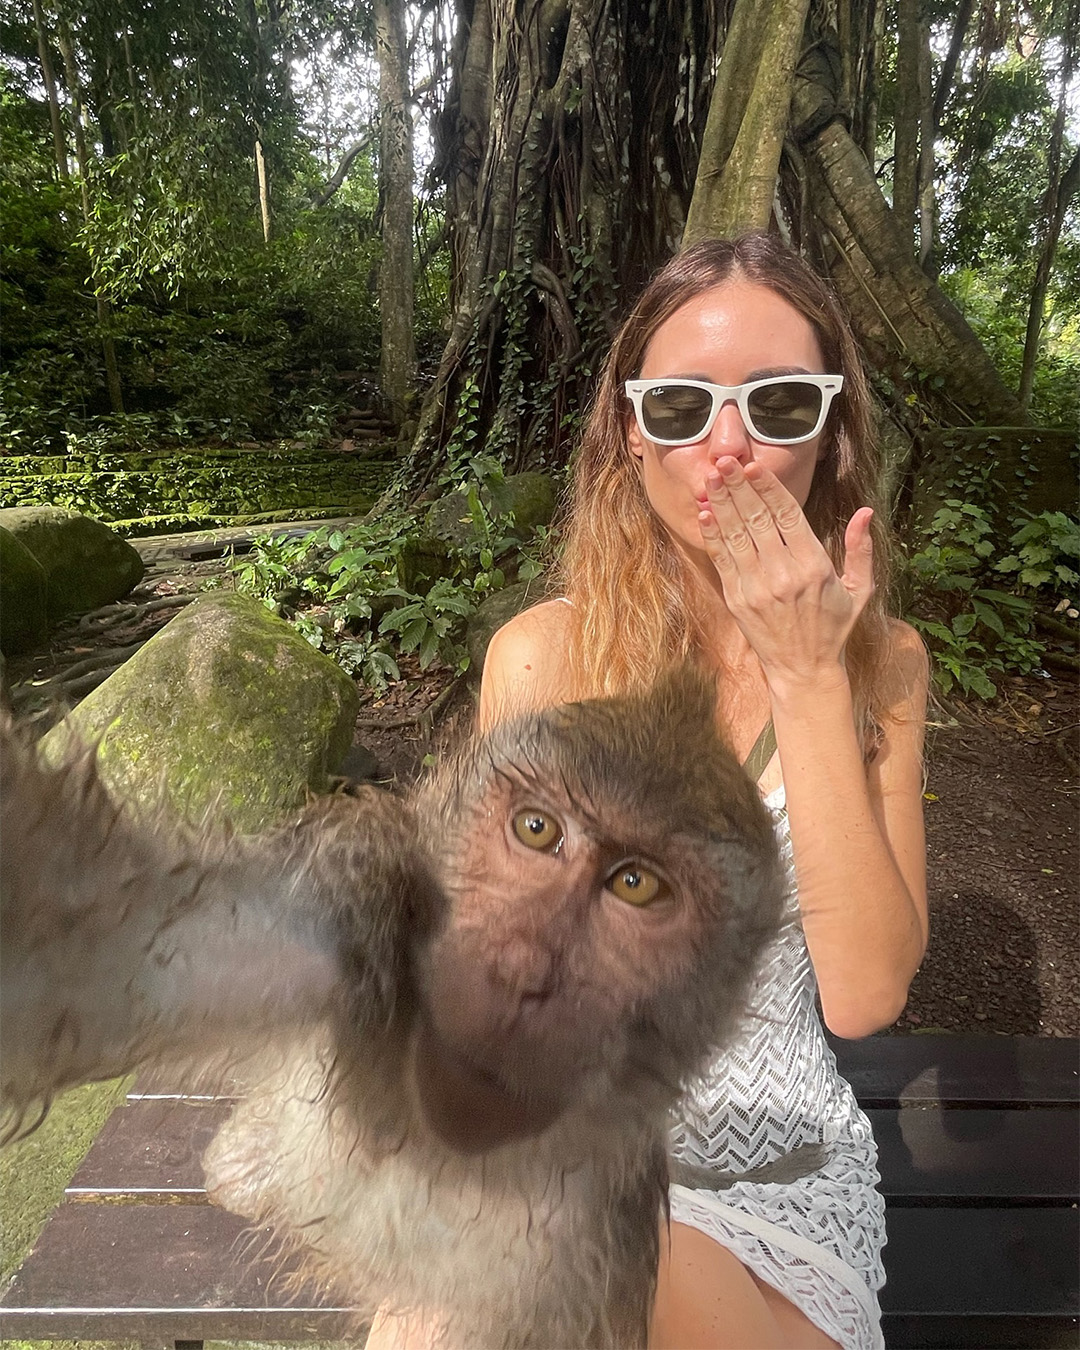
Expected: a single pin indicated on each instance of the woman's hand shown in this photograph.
(779, 583)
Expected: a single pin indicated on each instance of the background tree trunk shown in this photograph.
(905, 175)
(397, 365)
(1060, 189)
(108, 348)
(748, 117)
(49, 80)
(263, 182)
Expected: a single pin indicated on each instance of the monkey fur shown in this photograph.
(464, 1018)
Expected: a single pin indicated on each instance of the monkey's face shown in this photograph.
(609, 887)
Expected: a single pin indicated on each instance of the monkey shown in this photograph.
(463, 1018)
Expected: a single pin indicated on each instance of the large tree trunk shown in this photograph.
(748, 118)
(397, 365)
(572, 143)
(902, 317)
(568, 150)
(905, 173)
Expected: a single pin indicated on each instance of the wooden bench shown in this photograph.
(979, 1159)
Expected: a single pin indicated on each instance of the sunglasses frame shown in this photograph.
(829, 385)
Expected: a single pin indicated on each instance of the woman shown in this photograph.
(720, 511)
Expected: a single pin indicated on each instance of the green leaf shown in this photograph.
(429, 648)
(989, 616)
(963, 624)
(413, 634)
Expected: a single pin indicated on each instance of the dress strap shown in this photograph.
(761, 752)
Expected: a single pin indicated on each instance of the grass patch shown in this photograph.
(34, 1171)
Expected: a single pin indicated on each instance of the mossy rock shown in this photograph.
(530, 497)
(1030, 469)
(23, 604)
(86, 564)
(227, 709)
(489, 617)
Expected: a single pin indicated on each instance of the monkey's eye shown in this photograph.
(636, 885)
(537, 830)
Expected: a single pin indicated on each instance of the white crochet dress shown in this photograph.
(819, 1239)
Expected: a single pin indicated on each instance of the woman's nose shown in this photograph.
(729, 436)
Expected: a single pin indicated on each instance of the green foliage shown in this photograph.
(381, 590)
(976, 624)
(1047, 553)
(206, 482)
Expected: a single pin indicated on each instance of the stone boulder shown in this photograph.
(227, 709)
(1034, 469)
(86, 564)
(497, 609)
(530, 497)
(24, 618)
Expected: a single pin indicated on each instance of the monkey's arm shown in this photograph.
(126, 942)
(797, 1162)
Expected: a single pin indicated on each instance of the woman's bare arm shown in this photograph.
(858, 839)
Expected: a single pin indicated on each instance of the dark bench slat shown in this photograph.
(961, 1070)
(978, 1157)
(979, 1333)
(188, 1272)
(149, 1151)
(982, 1262)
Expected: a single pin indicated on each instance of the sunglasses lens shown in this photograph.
(675, 412)
(785, 411)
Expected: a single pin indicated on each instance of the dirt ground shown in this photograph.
(1001, 817)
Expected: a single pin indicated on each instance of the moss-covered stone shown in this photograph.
(496, 610)
(227, 709)
(530, 497)
(1031, 469)
(23, 607)
(86, 564)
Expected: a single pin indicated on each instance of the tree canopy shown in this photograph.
(211, 209)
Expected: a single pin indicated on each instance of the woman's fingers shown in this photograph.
(739, 536)
(858, 577)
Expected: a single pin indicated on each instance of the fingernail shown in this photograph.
(713, 483)
(728, 467)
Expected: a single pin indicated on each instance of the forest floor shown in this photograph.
(1001, 816)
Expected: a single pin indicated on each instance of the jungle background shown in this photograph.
(345, 260)
(266, 260)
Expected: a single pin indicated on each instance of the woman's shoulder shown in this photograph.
(538, 624)
(903, 684)
(527, 662)
(907, 662)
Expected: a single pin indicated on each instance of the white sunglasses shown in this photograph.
(782, 410)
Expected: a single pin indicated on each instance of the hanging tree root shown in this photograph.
(109, 616)
(78, 679)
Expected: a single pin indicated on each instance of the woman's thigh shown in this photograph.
(706, 1299)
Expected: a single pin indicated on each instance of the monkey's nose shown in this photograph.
(528, 975)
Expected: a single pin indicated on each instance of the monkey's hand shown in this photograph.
(797, 1162)
(130, 941)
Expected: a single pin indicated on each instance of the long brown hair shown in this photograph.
(633, 591)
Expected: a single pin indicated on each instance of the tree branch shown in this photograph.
(341, 173)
